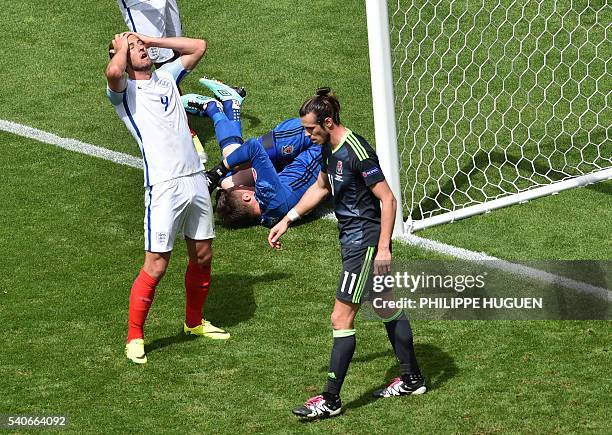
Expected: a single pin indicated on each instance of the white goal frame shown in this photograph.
(386, 135)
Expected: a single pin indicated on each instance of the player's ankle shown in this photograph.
(330, 396)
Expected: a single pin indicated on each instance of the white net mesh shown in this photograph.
(497, 97)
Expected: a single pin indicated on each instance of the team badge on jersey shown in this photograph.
(287, 150)
(164, 83)
(338, 175)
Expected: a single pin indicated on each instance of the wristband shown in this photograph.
(293, 215)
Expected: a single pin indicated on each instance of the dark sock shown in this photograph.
(341, 356)
(226, 131)
(400, 336)
(330, 397)
(231, 108)
(212, 110)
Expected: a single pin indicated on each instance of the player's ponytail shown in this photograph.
(324, 105)
(323, 92)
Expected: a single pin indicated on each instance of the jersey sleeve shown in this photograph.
(115, 97)
(325, 153)
(175, 69)
(366, 163)
(285, 142)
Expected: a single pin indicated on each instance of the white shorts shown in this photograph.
(181, 204)
(157, 18)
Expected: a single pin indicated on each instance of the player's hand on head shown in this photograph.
(145, 39)
(120, 41)
(382, 262)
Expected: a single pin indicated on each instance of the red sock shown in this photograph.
(141, 298)
(197, 282)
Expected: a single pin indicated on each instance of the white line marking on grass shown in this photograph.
(497, 263)
(506, 266)
(70, 144)
(427, 244)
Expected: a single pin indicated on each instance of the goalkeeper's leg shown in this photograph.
(229, 136)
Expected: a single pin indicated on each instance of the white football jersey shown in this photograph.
(153, 112)
(157, 18)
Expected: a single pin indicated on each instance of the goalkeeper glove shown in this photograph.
(214, 176)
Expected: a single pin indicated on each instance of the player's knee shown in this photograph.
(204, 257)
(341, 321)
(155, 269)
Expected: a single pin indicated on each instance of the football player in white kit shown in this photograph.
(160, 19)
(176, 194)
(156, 18)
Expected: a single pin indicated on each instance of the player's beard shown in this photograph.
(142, 68)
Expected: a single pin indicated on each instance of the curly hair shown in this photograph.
(324, 104)
(233, 211)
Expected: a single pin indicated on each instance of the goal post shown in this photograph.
(481, 104)
(382, 101)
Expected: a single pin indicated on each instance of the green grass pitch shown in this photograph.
(72, 240)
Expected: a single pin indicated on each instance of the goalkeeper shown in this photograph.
(274, 170)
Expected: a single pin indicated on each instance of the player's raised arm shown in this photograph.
(115, 70)
(382, 191)
(312, 197)
(191, 50)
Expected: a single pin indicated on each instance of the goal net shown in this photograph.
(498, 101)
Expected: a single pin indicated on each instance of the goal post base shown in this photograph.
(521, 197)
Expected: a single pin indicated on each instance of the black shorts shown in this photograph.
(355, 283)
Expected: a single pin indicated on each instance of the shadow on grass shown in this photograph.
(231, 301)
(437, 366)
(520, 168)
(168, 341)
(254, 121)
(604, 187)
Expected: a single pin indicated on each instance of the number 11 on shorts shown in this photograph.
(350, 287)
